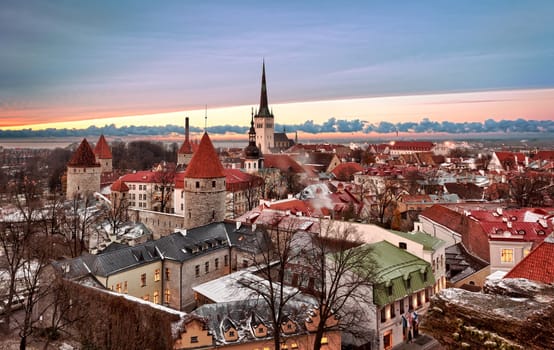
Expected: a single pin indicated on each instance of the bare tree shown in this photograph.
(271, 249)
(340, 276)
(78, 222)
(528, 189)
(164, 184)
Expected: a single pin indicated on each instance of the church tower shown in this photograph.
(263, 121)
(83, 172)
(204, 187)
(253, 161)
(103, 155)
(185, 152)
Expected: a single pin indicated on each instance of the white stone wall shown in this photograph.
(264, 134)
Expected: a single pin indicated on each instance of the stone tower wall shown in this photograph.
(105, 164)
(82, 180)
(204, 201)
(183, 158)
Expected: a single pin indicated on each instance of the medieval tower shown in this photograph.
(204, 187)
(184, 155)
(83, 172)
(263, 121)
(103, 155)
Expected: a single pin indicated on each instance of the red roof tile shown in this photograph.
(205, 163)
(102, 150)
(144, 176)
(344, 171)
(119, 186)
(283, 162)
(538, 265)
(186, 148)
(83, 156)
(236, 179)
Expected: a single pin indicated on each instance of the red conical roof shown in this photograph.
(83, 156)
(119, 186)
(102, 150)
(205, 163)
(186, 148)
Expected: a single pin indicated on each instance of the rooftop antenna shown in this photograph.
(206, 118)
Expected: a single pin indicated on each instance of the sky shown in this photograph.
(77, 63)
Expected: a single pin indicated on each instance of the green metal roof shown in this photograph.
(429, 242)
(393, 267)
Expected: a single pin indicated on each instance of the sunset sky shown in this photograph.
(68, 61)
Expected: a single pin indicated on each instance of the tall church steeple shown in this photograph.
(264, 106)
(264, 120)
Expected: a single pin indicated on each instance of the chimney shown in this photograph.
(187, 129)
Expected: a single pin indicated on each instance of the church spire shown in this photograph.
(264, 108)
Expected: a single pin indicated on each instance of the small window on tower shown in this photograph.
(197, 184)
(213, 183)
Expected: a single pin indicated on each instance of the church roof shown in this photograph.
(83, 156)
(119, 186)
(186, 147)
(205, 163)
(264, 107)
(102, 150)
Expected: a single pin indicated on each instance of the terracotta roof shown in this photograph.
(344, 171)
(186, 148)
(283, 162)
(505, 155)
(466, 191)
(83, 156)
(119, 186)
(236, 179)
(205, 163)
(445, 217)
(538, 265)
(544, 155)
(144, 176)
(102, 150)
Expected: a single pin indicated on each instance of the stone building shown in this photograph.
(184, 155)
(83, 172)
(264, 122)
(204, 187)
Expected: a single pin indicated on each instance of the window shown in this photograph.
(294, 346)
(231, 333)
(207, 266)
(260, 330)
(146, 297)
(226, 260)
(507, 255)
(425, 276)
(324, 340)
(409, 282)
(197, 270)
(167, 273)
(213, 183)
(216, 263)
(392, 311)
(157, 275)
(387, 340)
(143, 280)
(167, 296)
(197, 184)
(403, 245)
(245, 263)
(194, 339)
(383, 314)
(156, 297)
(125, 290)
(118, 287)
(401, 304)
(389, 290)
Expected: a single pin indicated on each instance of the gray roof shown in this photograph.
(179, 246)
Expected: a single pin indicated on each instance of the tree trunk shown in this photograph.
(23, 343)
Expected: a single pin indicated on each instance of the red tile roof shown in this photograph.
(283, 162)
(236, 179)
(538, 265)
(544, 155)
(186, 148)
(444, 216)
(144, 176)
(205, 163)
(510, 156)
(344, 171)
(83, 156)
(119, 186)
(102, 150)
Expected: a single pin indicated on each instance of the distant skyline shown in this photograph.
(95, 62)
